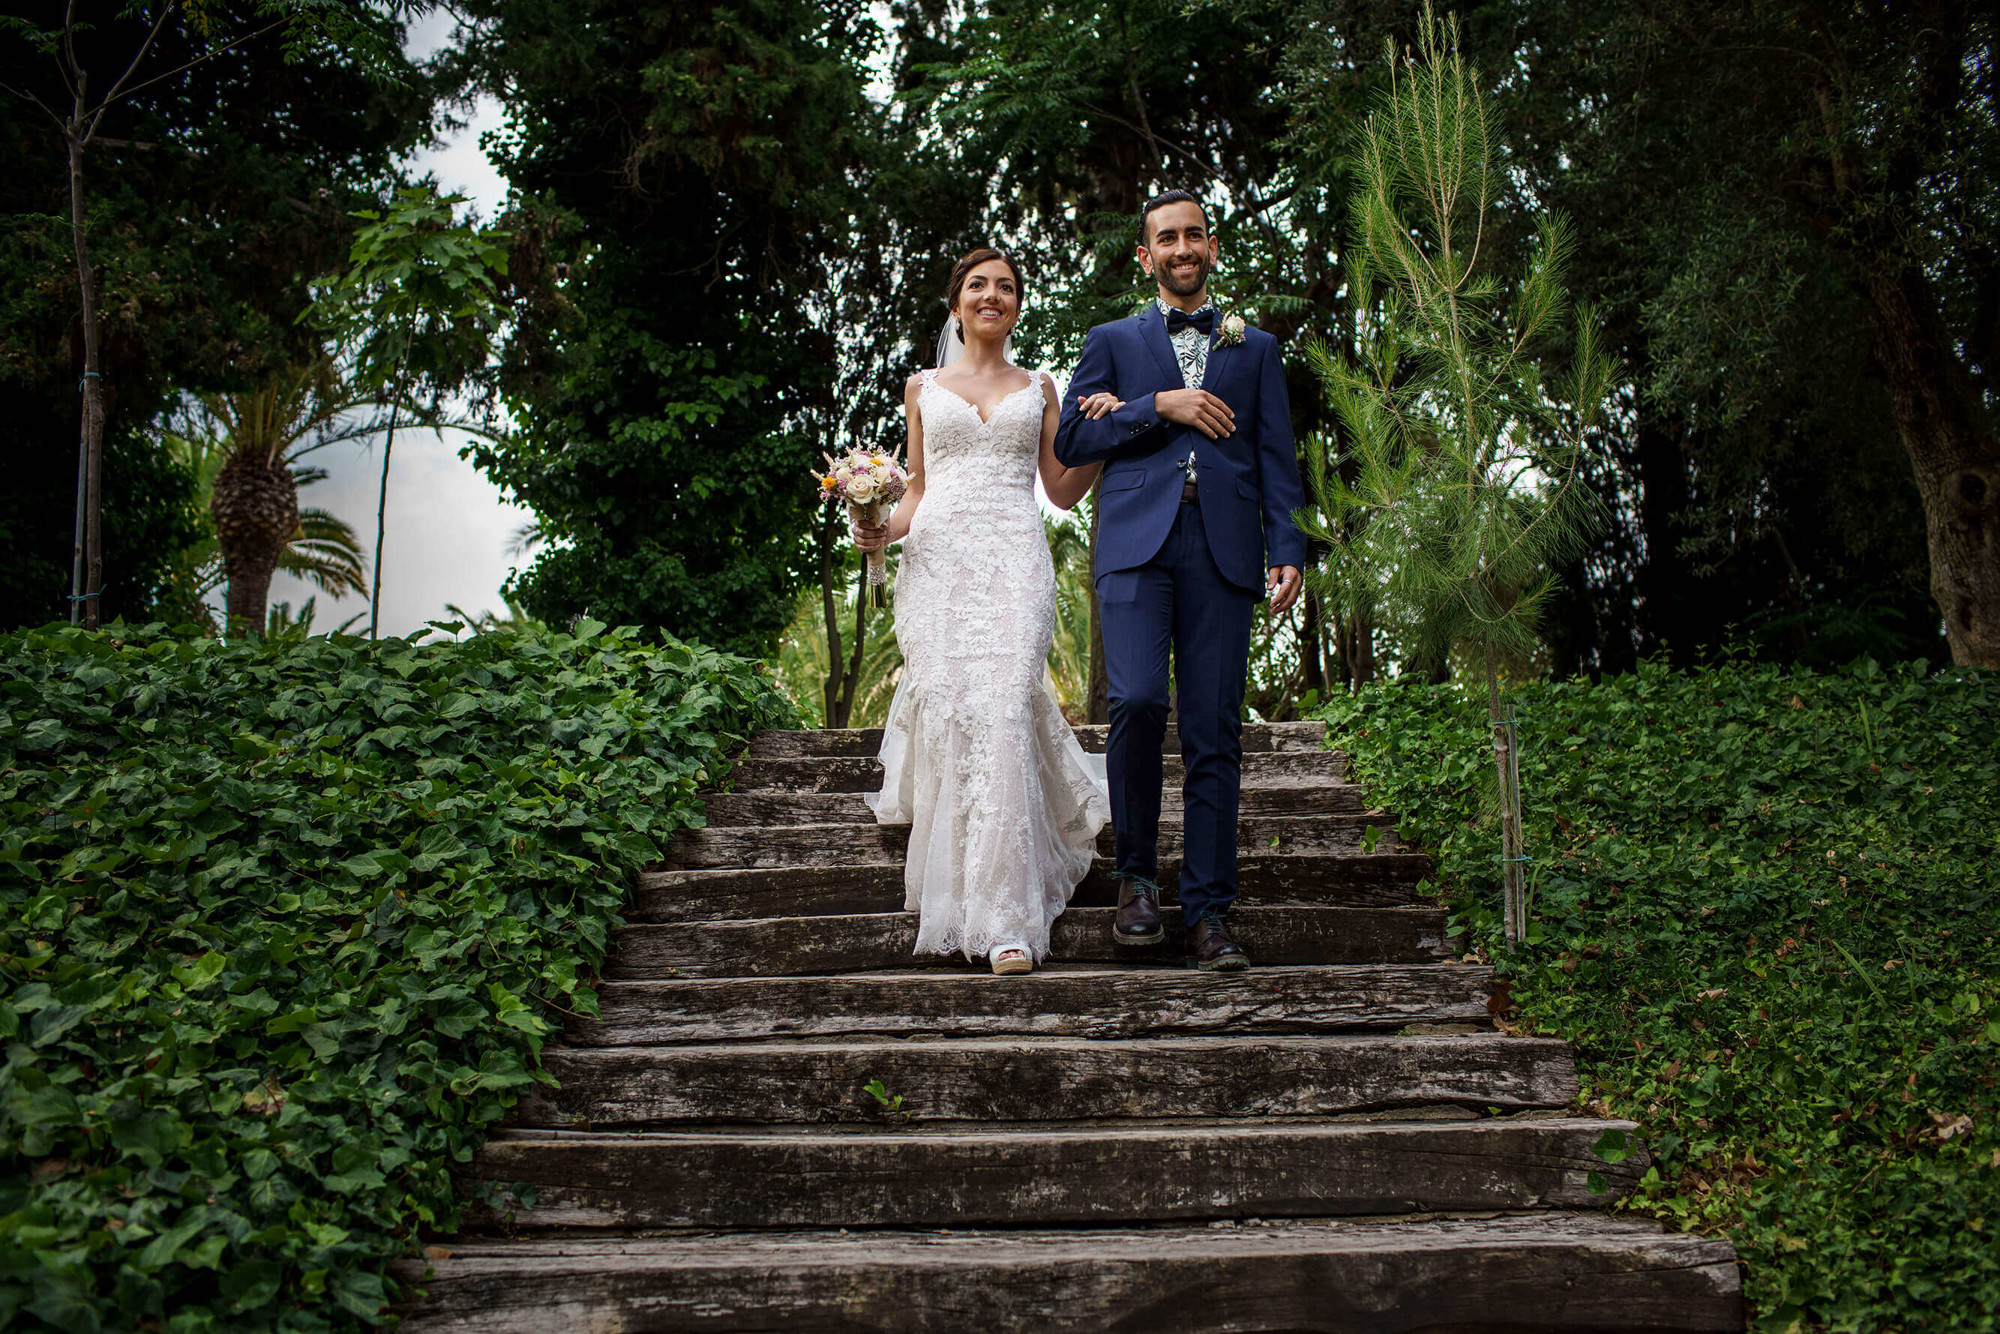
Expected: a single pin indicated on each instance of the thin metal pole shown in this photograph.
(76, 557)
(1516, 868)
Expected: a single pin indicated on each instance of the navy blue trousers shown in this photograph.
(1177, 601)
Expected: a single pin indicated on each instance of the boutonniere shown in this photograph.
(1230, 332)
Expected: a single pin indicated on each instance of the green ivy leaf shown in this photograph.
(252, 1284)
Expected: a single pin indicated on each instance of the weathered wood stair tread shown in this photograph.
(784, 946)
(1000, 1176)
(847, 741)
(1080, 1001)
(716, 848)
(770, 807)
(1378, 879)
(1042, 1079)
(1557, 1272)
(861, 773)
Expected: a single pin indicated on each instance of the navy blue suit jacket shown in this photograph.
(1249, 479)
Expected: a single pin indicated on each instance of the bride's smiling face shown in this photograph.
(989, 304)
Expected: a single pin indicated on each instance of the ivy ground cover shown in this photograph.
(282, 928)
(1764, 908)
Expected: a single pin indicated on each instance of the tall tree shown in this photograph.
(699, 191)
(209, 210)
(1789, 216)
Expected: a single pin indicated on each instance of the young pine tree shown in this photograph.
(1455, 482)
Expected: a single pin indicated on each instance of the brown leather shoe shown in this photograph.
(1213, 949)
(1137, 921)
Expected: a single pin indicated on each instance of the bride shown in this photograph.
(1002, 803)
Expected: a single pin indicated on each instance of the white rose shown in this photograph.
(861, 490)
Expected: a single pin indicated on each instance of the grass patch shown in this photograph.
(282, 925)
(1765, 908)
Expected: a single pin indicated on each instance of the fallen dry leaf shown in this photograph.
(1948, 1126)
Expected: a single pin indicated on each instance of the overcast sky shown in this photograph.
(448, 529)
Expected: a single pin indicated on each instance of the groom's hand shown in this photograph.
(1284, 583)
(1197, 408)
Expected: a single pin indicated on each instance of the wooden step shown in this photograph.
(860, 845)
(1008, 1176)
(781, 946)
(1062, 1001)
(867, 741)
(1560, 1273)
(1046, 1079)
(1382, 879)
(772, 807)
(863, 774)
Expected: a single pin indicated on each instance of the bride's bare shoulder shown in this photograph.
(912, 386)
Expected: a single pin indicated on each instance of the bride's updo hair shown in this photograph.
(971, 260)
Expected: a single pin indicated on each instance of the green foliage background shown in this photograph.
(1765, 904)
(283, 925)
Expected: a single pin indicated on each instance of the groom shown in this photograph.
(1199, 485)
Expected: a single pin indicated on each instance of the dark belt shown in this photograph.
(1189, 492)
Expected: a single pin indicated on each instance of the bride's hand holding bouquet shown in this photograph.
(870, 484)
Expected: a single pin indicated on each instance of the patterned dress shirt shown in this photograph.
(1191, 350)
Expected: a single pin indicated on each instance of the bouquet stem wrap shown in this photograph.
(877, 563)
(870, 484)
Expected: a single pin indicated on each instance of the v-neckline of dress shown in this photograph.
(1001, 403)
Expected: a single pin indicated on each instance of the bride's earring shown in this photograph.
(959, 329)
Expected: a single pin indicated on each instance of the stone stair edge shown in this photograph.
(1059, 1132)
(839, 1246)
(1553, 1270)
(1007, 1176)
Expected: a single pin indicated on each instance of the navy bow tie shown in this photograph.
(1203, 319)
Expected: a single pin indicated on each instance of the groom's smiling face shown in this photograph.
(1179, 252)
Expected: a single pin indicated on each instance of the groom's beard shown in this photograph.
(1190, 285)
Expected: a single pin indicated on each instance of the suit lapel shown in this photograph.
(1218, 353)
(1153, 333)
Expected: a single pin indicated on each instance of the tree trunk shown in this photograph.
(1357, 648)
(1956, 459)
(851, 678)
(381, 522)
(256, 510)
(1312, 668)
(830, 692)
(87, 562)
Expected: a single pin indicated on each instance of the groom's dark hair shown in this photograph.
(1161, 200)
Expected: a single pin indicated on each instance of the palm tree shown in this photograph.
(243, 449)
(516, 621)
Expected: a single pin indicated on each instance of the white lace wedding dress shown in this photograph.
(1003, 805)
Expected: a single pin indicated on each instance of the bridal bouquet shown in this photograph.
(871, 484)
